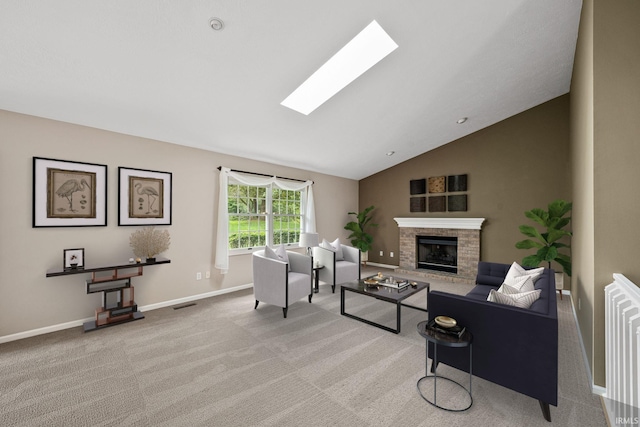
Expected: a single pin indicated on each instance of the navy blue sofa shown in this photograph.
(514, 347)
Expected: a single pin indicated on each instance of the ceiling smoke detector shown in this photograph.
(216, 24)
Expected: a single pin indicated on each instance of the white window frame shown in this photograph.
(269, 219)
(221, 237)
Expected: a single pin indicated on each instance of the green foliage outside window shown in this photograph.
(249, 219)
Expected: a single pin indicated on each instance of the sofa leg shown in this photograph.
(545, 410)
(284, 310)
(333, 289)
(434, 365)
(257, 302)
(310, 295)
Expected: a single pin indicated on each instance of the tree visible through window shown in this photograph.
(260, 216)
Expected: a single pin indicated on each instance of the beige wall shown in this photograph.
(616, 69)
(29, 300)
(605, 104)
(513, 166)
(582, 291)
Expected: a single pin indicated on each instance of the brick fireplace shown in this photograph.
(465, 230)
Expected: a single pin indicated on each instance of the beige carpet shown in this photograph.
(222, 363)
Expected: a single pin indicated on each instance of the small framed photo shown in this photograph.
(144, 197)
(69, 194)
(73, 258)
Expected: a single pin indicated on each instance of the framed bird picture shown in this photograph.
(144, 197)
(69, 194)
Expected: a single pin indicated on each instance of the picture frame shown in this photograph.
(457, 203)
(417, 186)
(457, 183)
(437, 184)
(418, 204)
(69, 193)
(144, 197)
(73, 259)
(437, 204)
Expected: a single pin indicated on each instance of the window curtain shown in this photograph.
(222, 235)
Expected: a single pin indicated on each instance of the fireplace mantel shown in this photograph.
(450, 223)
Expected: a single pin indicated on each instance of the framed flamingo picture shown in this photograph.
(144, 197)
(69, 194)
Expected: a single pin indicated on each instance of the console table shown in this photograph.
(114, 281)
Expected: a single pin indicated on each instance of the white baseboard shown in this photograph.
(184, 300)
(149, 307)
(595, 389)
(376, 264)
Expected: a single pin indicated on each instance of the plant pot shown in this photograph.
(151, 260)
(364, 257)
(560, 283)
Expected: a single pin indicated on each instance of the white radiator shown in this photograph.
(622, 352)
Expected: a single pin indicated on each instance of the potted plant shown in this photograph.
(548, 242)
(149, 242)
(359, 237)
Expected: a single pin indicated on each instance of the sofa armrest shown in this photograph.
(512, 347)
(326, 258)
(269, 280)
(299, 263)
(351, 254)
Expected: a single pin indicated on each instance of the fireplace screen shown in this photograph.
(437, 253)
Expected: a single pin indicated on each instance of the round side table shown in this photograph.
(316, 278)
(445, 340)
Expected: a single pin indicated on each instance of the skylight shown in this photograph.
(361, 53)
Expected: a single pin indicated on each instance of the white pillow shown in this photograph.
(522, 300)
(334, 246)
(280, 254)
(520, 284)
(517, 271)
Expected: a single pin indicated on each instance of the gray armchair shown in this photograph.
(337, 271)
(275, 284)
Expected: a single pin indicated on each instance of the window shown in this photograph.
(261, 216)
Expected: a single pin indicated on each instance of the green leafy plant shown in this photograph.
(547, 242)
(359, 237)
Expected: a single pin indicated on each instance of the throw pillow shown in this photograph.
(522, 299)
(281, 252)
(520, 284)
(334, 246)
(277, 254)
(516, 270)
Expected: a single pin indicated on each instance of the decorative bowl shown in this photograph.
(445, 321)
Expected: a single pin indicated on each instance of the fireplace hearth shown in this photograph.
(437, 253)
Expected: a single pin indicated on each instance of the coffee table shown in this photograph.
(382, 293)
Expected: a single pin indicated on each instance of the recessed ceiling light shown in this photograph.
(361, 53)
(391, 153)
(462, 120)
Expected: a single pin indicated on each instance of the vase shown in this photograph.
(151, 260)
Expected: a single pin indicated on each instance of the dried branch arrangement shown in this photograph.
(149, 242)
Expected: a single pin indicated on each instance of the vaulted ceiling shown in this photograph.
(157, 69)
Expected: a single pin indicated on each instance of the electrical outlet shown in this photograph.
(381, 253)
(207, 275)
(391, 254)
(198, 276)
